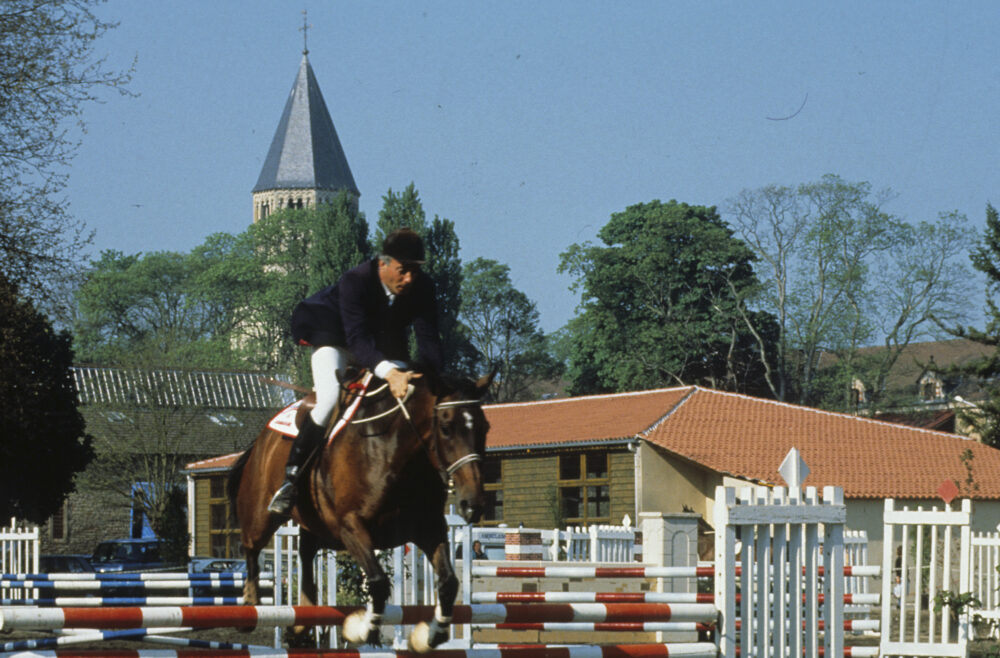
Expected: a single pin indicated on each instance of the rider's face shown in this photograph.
(396, 276)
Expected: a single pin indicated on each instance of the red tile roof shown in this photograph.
(214, 463)
(748, 438)
(582, 419)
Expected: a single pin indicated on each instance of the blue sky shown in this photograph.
(529, 123)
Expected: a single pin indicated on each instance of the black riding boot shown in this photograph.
(310, 434)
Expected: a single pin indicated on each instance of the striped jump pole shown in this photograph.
(225, 576)
(612, 627)
(486, 571)
(592, 597)
(252, 616)
(104, 585)
(630, 597)
(696, 650)
(120, 601)
(581, 571)
(152, 635)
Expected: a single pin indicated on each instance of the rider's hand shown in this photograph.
(399, 381)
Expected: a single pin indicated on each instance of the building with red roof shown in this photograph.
(596, 459)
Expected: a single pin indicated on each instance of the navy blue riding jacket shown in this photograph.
(355, 314)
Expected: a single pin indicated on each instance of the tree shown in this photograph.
(502, 324)
(660, 303)
(150, 304)
(839, 273)
(443, 266)
(985, 257)
(143, 444)
(48, 73)
(43, 444)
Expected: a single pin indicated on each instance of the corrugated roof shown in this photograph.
(306, 152)
(168, 388)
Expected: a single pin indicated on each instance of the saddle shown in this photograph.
(353, 384)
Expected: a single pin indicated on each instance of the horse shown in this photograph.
(381, 482)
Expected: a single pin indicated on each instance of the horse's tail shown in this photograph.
(235, 476)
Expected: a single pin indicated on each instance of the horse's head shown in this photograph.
(458, 441)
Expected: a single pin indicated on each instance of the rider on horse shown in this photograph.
(362, 320)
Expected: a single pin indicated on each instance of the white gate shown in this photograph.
(779, 568)
(928, 555)
(19, 547)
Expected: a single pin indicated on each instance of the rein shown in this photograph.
(446, 472)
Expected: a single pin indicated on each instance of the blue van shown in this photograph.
(128, 555)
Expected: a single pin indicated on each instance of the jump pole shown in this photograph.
(236, 616)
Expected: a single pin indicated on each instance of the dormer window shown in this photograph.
(859, 396)
(931, 387)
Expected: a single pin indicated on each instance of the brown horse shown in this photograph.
(382, 482)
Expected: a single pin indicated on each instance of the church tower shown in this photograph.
(305, 165)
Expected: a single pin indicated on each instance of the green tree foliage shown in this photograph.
(502, 324)
(985, 257)
(43, 443)
(839, 274)
(339, 241)
(299, 252)
(150, 304)
(404, 209)
(661, 304)
(228, 303)
(48, 73)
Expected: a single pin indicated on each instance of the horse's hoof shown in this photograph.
(426, 637)
(300, 637)
(360, 628)
(419, 641)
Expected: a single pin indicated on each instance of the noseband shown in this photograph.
(461, 461)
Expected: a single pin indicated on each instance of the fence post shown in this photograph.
(523, 544)
(833, 561)
(725, 572)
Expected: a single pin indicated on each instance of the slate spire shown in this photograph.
(305, 154)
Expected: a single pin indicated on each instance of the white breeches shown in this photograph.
(326, 361)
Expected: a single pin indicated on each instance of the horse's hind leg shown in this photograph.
(251, 586)
(426, 636)
(300, 636)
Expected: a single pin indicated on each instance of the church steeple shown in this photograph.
(305, 165)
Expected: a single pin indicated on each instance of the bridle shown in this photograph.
(461, 461)
(446, 472)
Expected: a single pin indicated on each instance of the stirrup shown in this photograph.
(283, 500)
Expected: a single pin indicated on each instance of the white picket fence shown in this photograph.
(930, 552)
(19, 549)
(596, 543)
(985, 577)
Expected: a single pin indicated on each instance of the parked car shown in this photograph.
(217, 565)
(69, 563)
(128, 555)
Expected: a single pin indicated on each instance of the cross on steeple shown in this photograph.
(305, 33)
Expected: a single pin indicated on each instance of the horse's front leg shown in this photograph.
(426, 636)
(365, 626)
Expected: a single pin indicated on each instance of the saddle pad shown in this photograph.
(284, 421)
